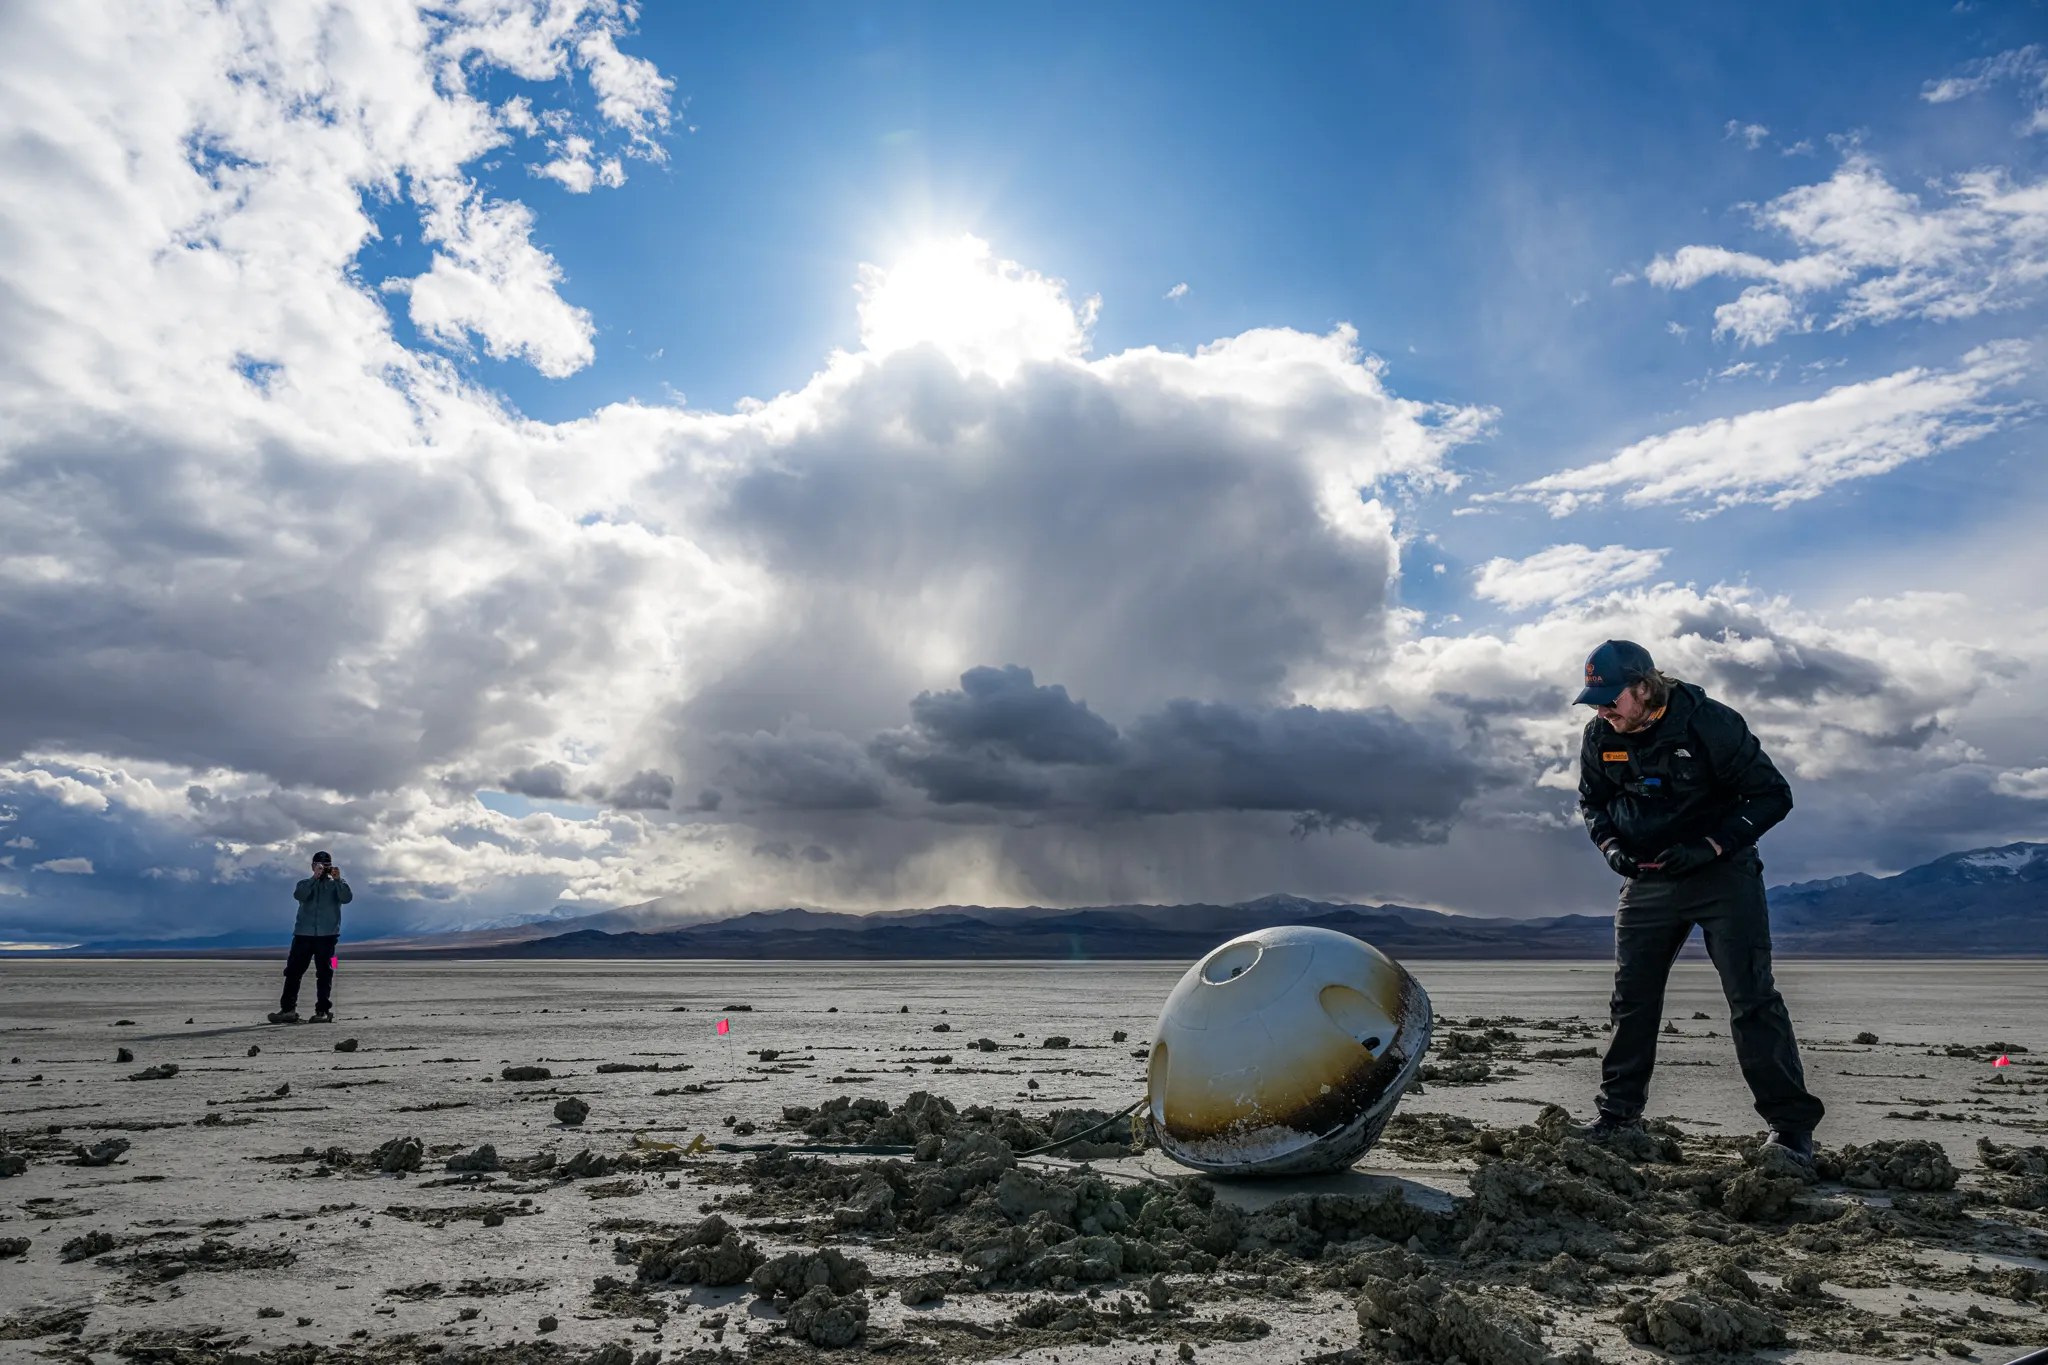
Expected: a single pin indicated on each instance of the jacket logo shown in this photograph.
(1614, 756)
(1682, 753)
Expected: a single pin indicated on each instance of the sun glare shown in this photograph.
(983, 313)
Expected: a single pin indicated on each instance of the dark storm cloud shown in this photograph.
(274, 816)
(1006, 710)
(1911, 818)
(644, 790)
(1368, 770)
(1004, 742)
(804, 770)
(544, 781)
(985, 775)
(1795, 671)
(782, 851)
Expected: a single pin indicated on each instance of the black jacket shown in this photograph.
(1698, 773)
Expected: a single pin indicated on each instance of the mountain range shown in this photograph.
(1989, 902)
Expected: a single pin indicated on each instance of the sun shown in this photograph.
(983, 313)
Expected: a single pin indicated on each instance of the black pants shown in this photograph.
(1656, 916)
(317, 949)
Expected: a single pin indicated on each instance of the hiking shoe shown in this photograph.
(322, 1017)
(1607, 1126)
(1796, 1142)
(284, 1016)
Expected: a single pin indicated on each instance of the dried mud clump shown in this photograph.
(89, 1245)
(713, 1254)
(526, 1073)
(162, 1071)
(1454, 1044)
(11, 1247)
(827, 1319)
(32, 1326)
(212, 1254)
(1428, 1317)
(587, 1165)
(571, 1111)
(795, 1274)
(918, 1292)
(1912, 1164)
(1058, 1229)
(1722, 1311)
(103, 1153)
(1754, 1197)
(484, 1158)
(2025, 1172)
(399, 1154)
(924, 1121)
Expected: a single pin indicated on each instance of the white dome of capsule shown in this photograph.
(1283, 1052)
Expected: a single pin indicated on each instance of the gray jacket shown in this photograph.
(320, 903)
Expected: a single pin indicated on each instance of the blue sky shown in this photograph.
(856, 456)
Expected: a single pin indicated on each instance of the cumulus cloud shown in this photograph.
(2029, 784)
(644, 790)
(631, 91)
(546, 781)
(1750, 135)
(1788, 454)
(1563, 573)
(67, 867)
(1872, 253)
(1759, 316)
(490, 279)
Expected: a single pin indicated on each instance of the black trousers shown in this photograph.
(317, 949)
(1726, 900)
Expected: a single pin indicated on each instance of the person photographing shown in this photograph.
(1675, 791)
(314, 935)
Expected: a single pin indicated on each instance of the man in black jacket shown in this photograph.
(1676, 791)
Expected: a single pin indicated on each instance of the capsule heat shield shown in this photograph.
(1284, 1052)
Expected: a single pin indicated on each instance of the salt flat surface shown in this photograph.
(438, 1034)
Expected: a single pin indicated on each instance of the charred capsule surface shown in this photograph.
(1284, 1052)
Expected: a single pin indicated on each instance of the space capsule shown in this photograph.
(1284, 1052)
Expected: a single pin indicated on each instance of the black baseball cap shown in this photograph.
(1610, 669)
(322, 857)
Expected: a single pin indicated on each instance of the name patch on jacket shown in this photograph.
(1614, 756)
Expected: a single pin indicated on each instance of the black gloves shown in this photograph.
(1683, 859)
(1620, 861)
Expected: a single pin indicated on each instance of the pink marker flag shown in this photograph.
(2003, 1061)
(725, 1026)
